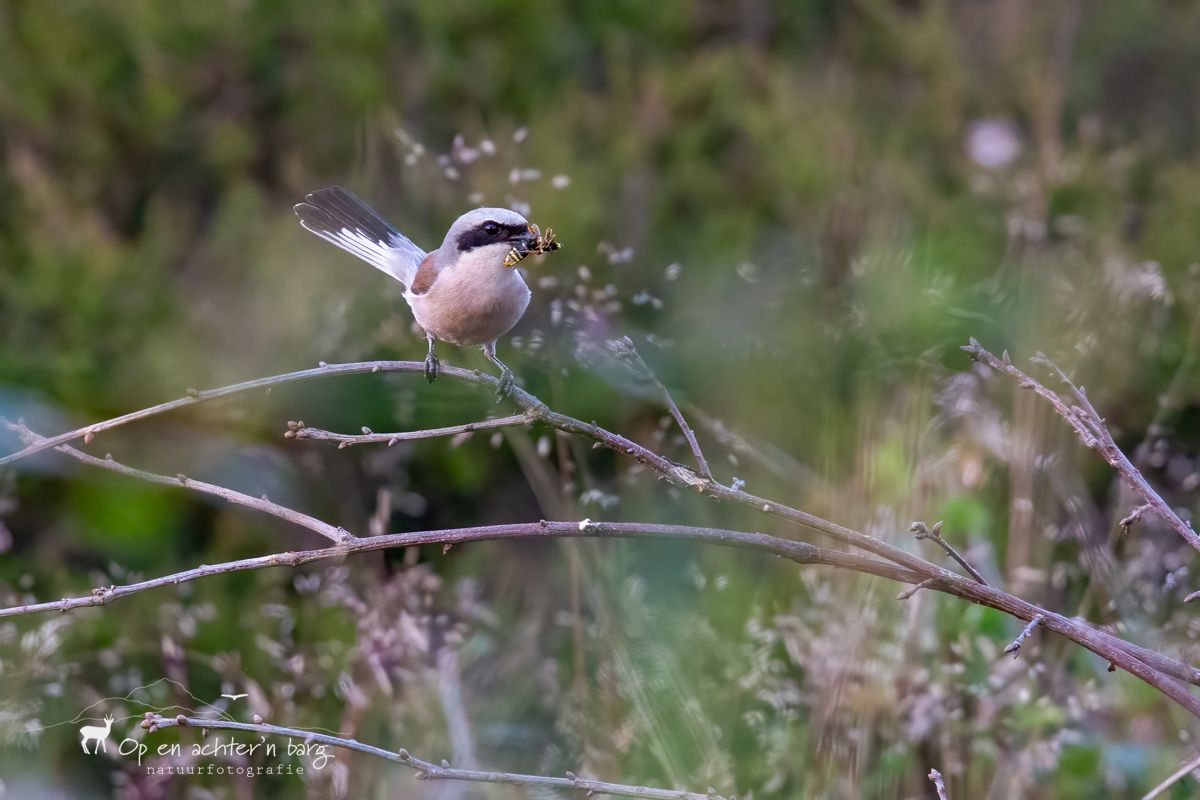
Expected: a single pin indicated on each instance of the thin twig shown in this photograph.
(778, 462)
(624, 349)
(427, 770)
(938, 784)
(298, 430)
(1128, 521)
(910, 591)
(1091, 429)
(1014, 646)
(1174, 778)
(934, 534)
(262, 504)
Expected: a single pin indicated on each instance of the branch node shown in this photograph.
(938, 784)
(1127, 522)
(920, 531)
(1014, 647)
(910, 591)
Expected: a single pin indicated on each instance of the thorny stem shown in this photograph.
(1164, 673)
(427, 770)
(1091, 429)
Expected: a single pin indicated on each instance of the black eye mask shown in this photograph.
(478, 237)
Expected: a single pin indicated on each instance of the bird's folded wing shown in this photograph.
(338, 216)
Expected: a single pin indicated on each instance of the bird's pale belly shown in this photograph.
(471, 312)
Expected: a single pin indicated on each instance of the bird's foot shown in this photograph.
(507, 382)
(432, 367)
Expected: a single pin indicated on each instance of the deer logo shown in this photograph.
(89, 732)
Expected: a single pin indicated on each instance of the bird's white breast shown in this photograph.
(474, 301)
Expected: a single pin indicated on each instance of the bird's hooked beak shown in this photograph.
(525, 240)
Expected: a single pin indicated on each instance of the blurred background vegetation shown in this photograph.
(798, 210)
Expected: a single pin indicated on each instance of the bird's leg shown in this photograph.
(432, 365)
(507, 380)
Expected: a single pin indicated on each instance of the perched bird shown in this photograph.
(465, 292)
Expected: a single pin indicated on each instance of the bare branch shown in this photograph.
(262, 504)
(1014, 646)
(1092, 431)
(800, 552)
(1174, 778)
(427, 770)
(938, 784)
(1162, 672)
(195, 397)
(298, 430)
(1142, 662)
(919, 530)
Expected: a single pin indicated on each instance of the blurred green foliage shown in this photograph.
(814, 228)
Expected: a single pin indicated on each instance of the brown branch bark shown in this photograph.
(799, 552)
(298, 430)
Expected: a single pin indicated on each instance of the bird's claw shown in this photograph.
(507, 382)
(432, 367)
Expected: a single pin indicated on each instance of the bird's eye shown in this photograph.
(491, 228)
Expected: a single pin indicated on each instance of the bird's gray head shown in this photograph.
(487, 232)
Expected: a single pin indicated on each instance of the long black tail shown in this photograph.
(338, 216)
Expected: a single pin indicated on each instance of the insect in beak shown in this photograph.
(537, 242)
